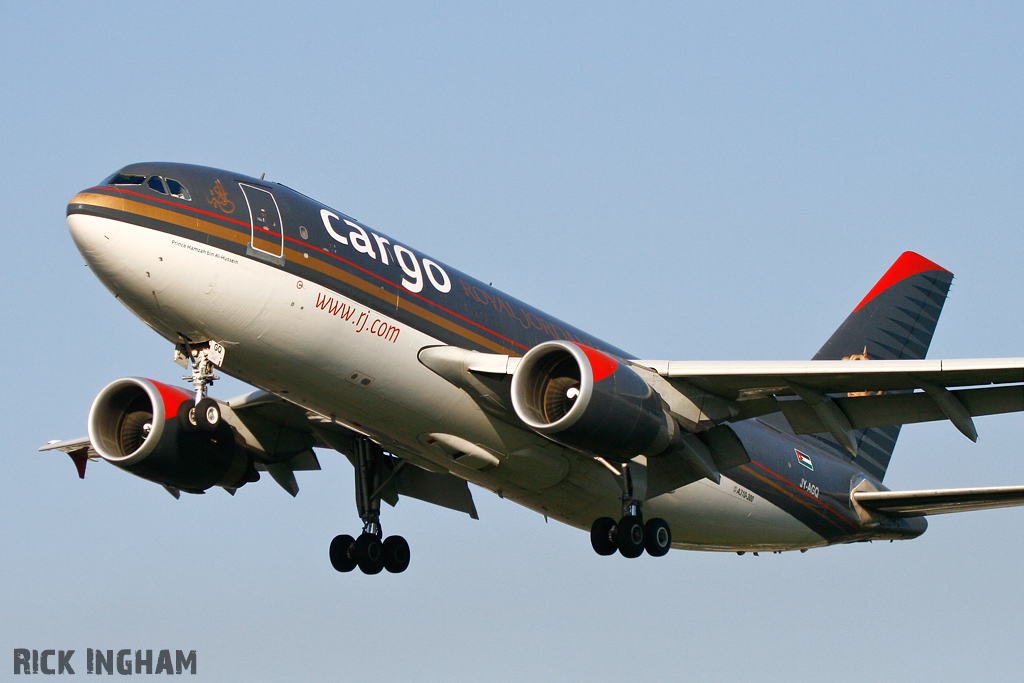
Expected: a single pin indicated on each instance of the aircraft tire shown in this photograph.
(396, 554)
(341, 553)
(369, 552)
(602, 536)
(657, 537)
(207, 415)
(629, 536)
(186, 416)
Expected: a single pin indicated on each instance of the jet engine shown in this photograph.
(133, 423)
(585, 399)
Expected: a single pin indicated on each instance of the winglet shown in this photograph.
(81, 459)
(80, 451)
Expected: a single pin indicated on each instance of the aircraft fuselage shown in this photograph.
(322, 311)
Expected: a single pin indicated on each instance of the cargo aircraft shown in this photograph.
(426, 379)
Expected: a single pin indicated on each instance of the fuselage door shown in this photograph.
(267, 232)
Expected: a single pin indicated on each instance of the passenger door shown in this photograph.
(267, 231)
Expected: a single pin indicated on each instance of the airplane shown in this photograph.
(427, 380)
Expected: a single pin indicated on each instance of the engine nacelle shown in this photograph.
(585, 399)
(133, 423)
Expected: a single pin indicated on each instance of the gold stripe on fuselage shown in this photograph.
(134, 207)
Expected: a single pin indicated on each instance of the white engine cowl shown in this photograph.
(133, 424)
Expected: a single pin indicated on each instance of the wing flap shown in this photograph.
(839, 396)
(865, 412)
(939, 501)
(444, 490)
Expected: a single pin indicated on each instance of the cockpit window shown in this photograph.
(157, 183)
(162, 185)
(177, 189)
(127, 179)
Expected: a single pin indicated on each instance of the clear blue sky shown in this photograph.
(687, 182)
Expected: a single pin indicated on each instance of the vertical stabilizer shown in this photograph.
(895, 321)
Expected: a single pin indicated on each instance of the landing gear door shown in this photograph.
(267, 231)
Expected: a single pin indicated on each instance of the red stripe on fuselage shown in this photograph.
(804, 494)
(403, 290)
(176, 205)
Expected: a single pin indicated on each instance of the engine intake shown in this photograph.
(585, 399)
(133, 424)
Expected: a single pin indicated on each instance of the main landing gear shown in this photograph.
(203, 413)
(631, 536)
(369, 552)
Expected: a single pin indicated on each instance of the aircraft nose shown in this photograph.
(91, 234)
(101, 242)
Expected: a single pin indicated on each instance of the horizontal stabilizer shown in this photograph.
(939, 501)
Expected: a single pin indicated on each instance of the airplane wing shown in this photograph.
(939, 501)
(281, 435)
(72, 446)
(841, 396)
(815, 396)
(742, 380)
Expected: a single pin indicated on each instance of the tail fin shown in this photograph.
(895, 321)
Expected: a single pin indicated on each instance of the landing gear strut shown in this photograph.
(630, 536)
(202, 413)
(370, 551)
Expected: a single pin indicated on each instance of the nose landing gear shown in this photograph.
(202, 413)
(370, 551)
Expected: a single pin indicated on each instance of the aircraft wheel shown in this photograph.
(629, 536)
(207, 415)
(369, 552)
(396, 554)
(187, 416)
(658, 537)
(341, 553)
(602, 536)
